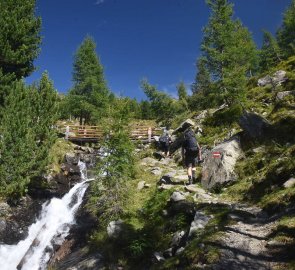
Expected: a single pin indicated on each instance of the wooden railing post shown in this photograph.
(149, 134)
(67, 132)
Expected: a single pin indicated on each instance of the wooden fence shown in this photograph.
(95, 133)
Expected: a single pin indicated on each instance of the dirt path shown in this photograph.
(244, 243)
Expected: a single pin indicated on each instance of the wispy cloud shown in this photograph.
(99, 2)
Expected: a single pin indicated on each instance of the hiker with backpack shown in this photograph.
(191, 154)
(165, 141)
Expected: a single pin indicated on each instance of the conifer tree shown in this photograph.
(270, 53)
(202, 80)
(17, 142)
(146, 111)
(182, 96)
(27, 134)
(164, 107)
(19, 41)
(19, 37)
(90, 94)
(229, 52)
(181, 90)
(286, 33)
(117, 167)
(44, 99)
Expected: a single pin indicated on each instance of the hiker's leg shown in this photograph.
(194, 174)
(189, 174)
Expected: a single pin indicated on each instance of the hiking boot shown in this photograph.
(190, 181)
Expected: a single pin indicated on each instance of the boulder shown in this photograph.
(275, 80)
(177, 196)
(72, 158)
(140, 185)
(178, 239)
(218, 166)
(254, 125)
(290, 183)
(283, 94)
(199, 222)
(115, 228)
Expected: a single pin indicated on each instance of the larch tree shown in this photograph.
(229, 52)
(270, 53)
(90, 93)
(286, 33)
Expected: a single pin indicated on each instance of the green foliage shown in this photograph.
(229, 52)
(19, 37)
(270, 54)
(164, 107)
(116, 167)
(146, 111)
(89, 97)
(286, 33)
(26, 134)
(203, 89)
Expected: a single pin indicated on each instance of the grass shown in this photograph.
(57, 153)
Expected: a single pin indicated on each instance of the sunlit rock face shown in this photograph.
(218, 167)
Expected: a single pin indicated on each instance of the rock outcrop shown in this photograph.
(254, 125)
(218, 166)
(276, 79)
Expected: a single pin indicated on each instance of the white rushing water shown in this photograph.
(51, 228)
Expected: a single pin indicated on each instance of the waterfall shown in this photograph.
(50, 229)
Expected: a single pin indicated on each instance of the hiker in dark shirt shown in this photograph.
(191, 154)
(165, 141)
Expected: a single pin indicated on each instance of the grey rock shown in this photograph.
(199, 222)
(264, 81)
(275, 80)
(148, 161)
(254, 125)
(4, 209)
(218, 171)
(159, 256)
(180, 250)
(168, 253)
(156, 171)
(283, 94)
(177, 196)
(72, 158)
(140, 185)
(290, 183)
(177, 238)
(115, 228)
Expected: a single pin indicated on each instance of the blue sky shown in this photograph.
(154, 39)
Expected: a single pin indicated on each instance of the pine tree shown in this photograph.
(90, 93)
(286, 33)
(27, 134)
(17, 142)
(229, 52)
(19, 37)
(44, 105)
(270, 53)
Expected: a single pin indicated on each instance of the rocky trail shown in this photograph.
(244, 241)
